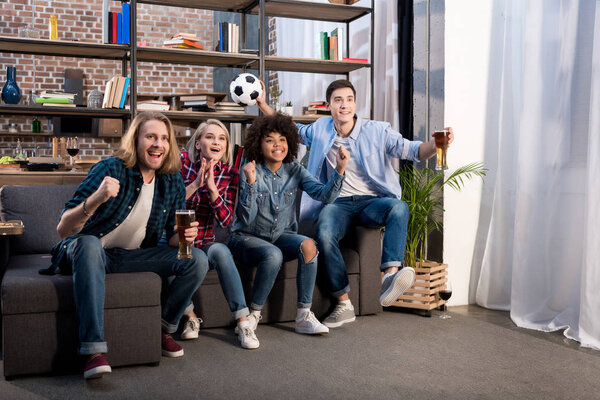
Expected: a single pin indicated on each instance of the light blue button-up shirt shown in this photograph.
(267, 208)
(373, 144)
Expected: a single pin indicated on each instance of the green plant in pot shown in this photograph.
(422, 192)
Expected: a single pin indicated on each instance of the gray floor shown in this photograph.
(478, 354)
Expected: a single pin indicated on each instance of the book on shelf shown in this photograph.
(183, 43)
(59, 105)
(226, 37)
(152, 105)
(361, 60)
(330, 45)
(200, 108)
(115, 92)
(124, 93)
(116, 26)
(189, 103)
(186, 35)
(57, 93)
(56, 100)
(211, 96)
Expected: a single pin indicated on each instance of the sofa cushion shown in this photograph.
(24, 290)
(39, 208)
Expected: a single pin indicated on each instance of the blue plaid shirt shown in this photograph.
(169, 195)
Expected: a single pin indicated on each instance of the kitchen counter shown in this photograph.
(14, 176)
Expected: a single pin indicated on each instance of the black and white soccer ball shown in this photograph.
(244, 89)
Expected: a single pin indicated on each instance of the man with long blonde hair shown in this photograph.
(113, 224)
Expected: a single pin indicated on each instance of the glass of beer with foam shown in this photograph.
(441, 147)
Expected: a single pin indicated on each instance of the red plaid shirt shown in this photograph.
(226, 179)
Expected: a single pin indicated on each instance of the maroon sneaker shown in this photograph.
(170, 348)
(96, 366)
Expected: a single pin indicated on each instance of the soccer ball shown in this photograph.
(244, 89)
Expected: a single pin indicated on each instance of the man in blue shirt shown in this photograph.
(370, 194)
(113, 224)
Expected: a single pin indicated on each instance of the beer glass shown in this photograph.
(184, 220)
(441, 147)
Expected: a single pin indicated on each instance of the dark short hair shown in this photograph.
(264, 125)
(339, 84)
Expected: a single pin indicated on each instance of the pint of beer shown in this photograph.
(184, 220)
(441, 147)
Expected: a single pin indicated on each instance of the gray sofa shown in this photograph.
(39, 324)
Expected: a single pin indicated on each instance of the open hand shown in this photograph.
(341, 158)
(210, 176)
(250, 172)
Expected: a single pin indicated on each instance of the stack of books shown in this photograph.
(316, 107)
(197, 102)
(115, 93)
(227, 37)
(184, 40)
(56, 98)
(152, 105)
(229, 107)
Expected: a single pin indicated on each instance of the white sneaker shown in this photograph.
(191, 329)
(246, 335)
(253, 319)
(309, 324)
(341, 314)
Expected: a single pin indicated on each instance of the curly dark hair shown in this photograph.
(264, 125)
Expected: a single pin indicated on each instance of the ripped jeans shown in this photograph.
(268, 258)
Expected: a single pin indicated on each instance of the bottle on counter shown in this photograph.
(18, 151)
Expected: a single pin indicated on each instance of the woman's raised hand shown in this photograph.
(250, 172)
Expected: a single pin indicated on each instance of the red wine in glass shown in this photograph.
(73, 152)
(445, 295)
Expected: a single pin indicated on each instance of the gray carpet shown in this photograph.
(478, 354)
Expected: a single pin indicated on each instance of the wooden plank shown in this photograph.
(215, 5)
(291, 64)
(17, 109)
(196, 57)
(313, 11)
(62, 48)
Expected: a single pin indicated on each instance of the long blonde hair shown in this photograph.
(128, 147)
(191, 144)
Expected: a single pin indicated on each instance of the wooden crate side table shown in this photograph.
(424, 294)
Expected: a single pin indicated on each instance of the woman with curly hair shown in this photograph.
(265, 230)
(211, 185)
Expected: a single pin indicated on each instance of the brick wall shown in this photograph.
(81, 20)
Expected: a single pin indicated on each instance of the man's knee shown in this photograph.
(86, 252)
(398, 212)
(309, 250)
(219, 256)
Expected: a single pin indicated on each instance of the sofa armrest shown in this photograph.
(4, 254)
(369, 245)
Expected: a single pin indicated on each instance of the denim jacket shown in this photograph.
(267, 208)
(372, 143)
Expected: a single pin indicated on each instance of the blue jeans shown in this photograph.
(91, 263)
(335, 219)
(268, 258)
(219, 258)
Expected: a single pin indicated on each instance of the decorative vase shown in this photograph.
(11, 93)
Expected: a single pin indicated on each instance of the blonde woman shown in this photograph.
(211, 186)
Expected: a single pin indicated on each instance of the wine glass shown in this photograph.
(445, 294)
(73, 150)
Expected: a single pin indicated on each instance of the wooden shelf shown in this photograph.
(63, 48)
(215, 5)
(200, 116)
(17, 109)
(313, 11)
(275, 8)
(276, 63)
(196, 57)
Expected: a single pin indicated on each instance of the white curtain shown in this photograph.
(300, 88)
(542, 247)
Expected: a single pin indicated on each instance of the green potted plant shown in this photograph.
(422, 192)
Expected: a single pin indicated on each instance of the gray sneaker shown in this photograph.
(395, 285)
(191, 329)
(342, 314)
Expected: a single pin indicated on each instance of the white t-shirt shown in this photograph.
(357, 182)
(131, 233)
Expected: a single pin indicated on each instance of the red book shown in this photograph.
(113, 38)
(362, 60)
